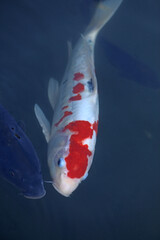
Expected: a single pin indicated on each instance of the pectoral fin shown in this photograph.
(44, 123)
(53, 91)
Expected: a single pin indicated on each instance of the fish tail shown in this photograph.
(105, 10)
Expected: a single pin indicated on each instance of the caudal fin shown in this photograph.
(105, 10)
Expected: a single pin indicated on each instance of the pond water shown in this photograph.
(120, 199)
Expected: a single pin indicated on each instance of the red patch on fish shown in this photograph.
(95, 127)
(64, 107)
(77, 159)
(66, 113)
(75, 98)
(78, 76)
(78, 88)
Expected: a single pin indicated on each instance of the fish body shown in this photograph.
(72, 135)
(19, 163)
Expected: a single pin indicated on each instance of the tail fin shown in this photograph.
(105, 10)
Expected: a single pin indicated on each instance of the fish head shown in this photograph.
(33, 189)
(16, 167)
(62, 183)
(26, 179)
(57, 152)
(26, 165)
(19, 163)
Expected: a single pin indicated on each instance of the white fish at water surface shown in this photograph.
(72, 135)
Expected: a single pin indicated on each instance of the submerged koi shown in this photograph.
(72, 135)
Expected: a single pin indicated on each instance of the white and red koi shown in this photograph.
(72, 135)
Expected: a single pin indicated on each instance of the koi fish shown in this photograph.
(19, 163)
(72, 136)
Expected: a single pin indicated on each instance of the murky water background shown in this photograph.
(121, 197)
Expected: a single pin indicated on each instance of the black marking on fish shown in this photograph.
(90, 85)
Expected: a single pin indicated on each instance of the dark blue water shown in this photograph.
(121, 197)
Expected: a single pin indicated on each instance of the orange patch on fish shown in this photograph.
(77, 159)
(78, 88)
(64, 107)
(75, 98)
(95, 126)
(66, 113)
(78, 76)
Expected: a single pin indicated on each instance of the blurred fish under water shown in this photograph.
(19, 163)
(129, 67)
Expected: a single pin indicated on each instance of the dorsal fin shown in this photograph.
(53, 91)
(44, 123)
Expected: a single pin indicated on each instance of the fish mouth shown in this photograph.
(29, 196)
(58, 190)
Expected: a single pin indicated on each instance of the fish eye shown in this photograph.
(61, 162)
(15, 134)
